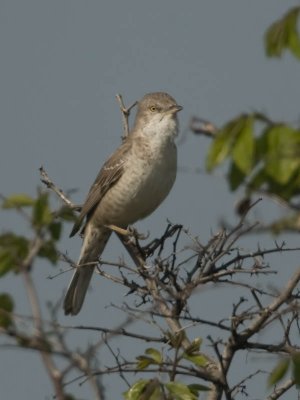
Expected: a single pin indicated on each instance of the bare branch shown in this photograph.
(50, 185)
(125, 115)
(115, 332)
(201, 126)
(273, 307)
(53, 372)
(280, 390)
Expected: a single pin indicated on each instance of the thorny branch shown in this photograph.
(166, 274)
(170, 289)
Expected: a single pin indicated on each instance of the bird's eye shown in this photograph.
(152, 108)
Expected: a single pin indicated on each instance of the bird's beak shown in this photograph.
(175, 109)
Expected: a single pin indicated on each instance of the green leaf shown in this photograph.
(175, 340)
(226, 139)
(196, 388)
(244, 145)
(283, 153)
(6, 307)
(194, 347)
(155, 355)
(261, 145)
(278, 372)
(180, 391)
(6, 262)
(143, 362)
(198, 359)
(135, 391)
(17, 201)
(192, 353)
(276, 39)
(67, 214)
(235, 177)
(296, 368)
(48, 250)
(293, 35)
(68, 396)
(219, 150)
(41, 211)
(144, 390)
(13, 250)
(283, 35)
(258, 180)
(55, 230)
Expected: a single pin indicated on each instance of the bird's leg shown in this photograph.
(130, 231)
(117, 229)
(129, 235)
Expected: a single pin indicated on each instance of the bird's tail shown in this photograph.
(93, 246)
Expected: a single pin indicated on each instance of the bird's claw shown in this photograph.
(139, 236)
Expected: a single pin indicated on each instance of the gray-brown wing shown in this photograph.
(109, 174)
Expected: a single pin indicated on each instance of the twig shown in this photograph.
(268, 311)
(125, 115)
(114, 332)
(50, 185)
(238, 385)
(280, 390)
(201, 126)
(116, 357)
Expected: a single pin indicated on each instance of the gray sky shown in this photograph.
(62, 62)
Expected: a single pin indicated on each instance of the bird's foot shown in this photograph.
(139, 236)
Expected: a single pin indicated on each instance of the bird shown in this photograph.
(132, 183)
